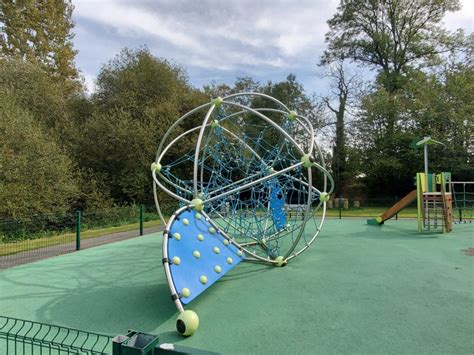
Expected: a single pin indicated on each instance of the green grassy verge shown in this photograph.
(62, 238)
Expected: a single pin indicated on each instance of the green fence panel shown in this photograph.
(18, 336)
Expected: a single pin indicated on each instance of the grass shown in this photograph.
(69, 237)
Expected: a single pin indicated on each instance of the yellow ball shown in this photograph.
(176, 260)
(200, 237)
(217, 269)
(196, 254)
(229, 260)
(185, 292)
(187, 323)
(216, 250)
(203, 279)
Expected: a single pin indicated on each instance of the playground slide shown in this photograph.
(392, 211)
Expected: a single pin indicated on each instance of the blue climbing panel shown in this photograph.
(277, 205)
(203, 255)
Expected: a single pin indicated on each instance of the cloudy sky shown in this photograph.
(217, 40)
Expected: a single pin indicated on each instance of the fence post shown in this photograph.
(78, 230)
(141, 219)
(396, 214)
(340, 208)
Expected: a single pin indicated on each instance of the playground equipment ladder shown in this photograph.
(436, 206)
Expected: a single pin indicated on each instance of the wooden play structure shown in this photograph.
(433, 196)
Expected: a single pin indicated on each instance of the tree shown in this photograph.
(35, 92)
(40, 32)
(391, 35)
(344, 88)
(35, 173)
(138, 97)
(437, 105)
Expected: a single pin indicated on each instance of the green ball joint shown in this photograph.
(280, 261)
(306, 160)
(217, 101)
(197, 204)
(156, 167)
(324, 197)
(215, 124)
(187, 323)
(292, 115)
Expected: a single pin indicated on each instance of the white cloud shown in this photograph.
(267, 39)
(224, 39)
(461, 19)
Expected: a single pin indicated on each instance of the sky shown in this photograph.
(217, 40)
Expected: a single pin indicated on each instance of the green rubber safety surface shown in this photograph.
(360, 288)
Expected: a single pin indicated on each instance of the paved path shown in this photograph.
(54, 250)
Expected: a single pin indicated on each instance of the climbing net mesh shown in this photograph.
(463, 201)
(250, 175)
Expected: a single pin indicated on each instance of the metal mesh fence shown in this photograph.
(18, 336)
(30, 238)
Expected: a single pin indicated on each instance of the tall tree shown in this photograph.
(138, 97)
(36, 175)
(343, 92)
(40, 31)
(392, 35)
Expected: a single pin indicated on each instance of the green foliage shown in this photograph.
(138, 98)
(429, 105)
(36, 92)
(40, 32)
(118, 149)
(35, 173)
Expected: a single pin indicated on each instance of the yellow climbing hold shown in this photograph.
(198, 216)
(185, 292)
(177, 236)
(239, 252)
(217, 269)
(212, 230)
(200, 237)
(196, 254)
(229, 260)
(226, 242)
(216, 250)
(203, 279)
(176, 260)
(185, 221)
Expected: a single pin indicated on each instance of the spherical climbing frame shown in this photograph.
(251, 195)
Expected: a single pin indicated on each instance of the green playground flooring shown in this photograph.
(359, 289)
